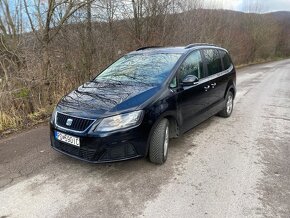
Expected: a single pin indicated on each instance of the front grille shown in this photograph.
(84, 153)
(100, 154)
(77, 124)
(119, 152)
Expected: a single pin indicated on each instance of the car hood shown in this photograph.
(97, 99)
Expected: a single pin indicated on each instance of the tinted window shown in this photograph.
(213, 61)
(192, 66)
(148, 69)
(226, 59)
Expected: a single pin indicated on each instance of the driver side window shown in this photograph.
(192, 66)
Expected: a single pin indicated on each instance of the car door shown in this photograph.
(192, 100)
(216, 81)
(227, 73)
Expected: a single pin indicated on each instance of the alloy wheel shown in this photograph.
(166, 141)
(230, 104)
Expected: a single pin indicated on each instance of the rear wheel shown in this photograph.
(229, 105)
(159, 142)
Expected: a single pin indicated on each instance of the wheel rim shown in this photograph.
(229, 104)
(166, 141)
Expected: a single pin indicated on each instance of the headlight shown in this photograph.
(120, 121)
(53, 116)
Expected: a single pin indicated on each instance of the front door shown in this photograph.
(192, 100)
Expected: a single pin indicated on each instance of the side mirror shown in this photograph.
(190, 80)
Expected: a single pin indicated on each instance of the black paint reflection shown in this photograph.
(127, 83)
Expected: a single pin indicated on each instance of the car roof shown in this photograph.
(176, 50)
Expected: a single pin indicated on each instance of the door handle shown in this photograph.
(213, 85)
(206, 88)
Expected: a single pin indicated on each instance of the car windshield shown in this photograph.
(147, 69)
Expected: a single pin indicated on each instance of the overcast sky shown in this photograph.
(248, 5)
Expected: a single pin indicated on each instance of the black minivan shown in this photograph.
(142, 100)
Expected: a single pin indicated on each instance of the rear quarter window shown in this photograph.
(226, 59)
(213, 61)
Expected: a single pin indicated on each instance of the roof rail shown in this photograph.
(147, 47)
(198, 44)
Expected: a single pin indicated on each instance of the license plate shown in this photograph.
(67, 138)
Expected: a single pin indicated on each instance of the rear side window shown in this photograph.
(226, 59)
(192, 66)
(213, 61)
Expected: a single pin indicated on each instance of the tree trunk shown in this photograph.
(89, 36)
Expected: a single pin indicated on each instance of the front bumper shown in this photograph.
(113, 147)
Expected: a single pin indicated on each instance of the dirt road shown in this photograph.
(236, 167)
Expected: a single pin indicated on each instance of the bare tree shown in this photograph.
(146, 19)
(10, 39)
(46, 20)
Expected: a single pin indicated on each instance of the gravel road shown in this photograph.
(236, 167)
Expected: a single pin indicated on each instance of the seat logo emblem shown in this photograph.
(69, 122)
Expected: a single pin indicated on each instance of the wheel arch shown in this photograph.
(173, 126)
(230, 87)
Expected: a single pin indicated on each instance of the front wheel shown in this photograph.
(159, 142)
(229, 105)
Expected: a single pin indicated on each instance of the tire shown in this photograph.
(159, 142)
(229, 105)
